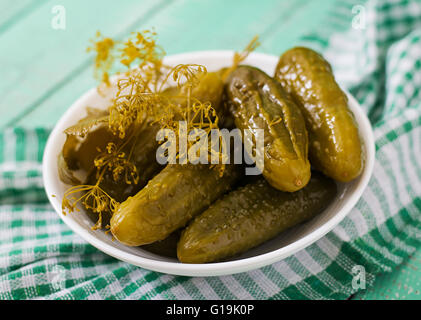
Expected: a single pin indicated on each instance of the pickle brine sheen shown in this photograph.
(334, 142)
(169, 201)
(249, 216)
(258, 103)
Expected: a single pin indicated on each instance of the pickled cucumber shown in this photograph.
(169, 201)
(257, 101)
(178, 192)
(142, 151)
(209, 89)
(249, 216)
(335, 146)
(166, 247)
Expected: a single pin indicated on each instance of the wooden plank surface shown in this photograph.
(38, 60)
(43, 70)
(63, 70)
(12, 11)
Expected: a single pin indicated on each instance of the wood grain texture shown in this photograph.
(402, 284)
(63, 71)
(44, 70)
(38, 60)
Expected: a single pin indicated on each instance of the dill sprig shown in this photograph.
(92, 197)
(240, 57)
(141, 98)
(116, 161)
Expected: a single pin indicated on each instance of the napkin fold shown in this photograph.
(375, 50)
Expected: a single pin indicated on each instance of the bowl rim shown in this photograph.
(216, 268)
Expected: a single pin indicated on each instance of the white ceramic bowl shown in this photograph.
(274, 250)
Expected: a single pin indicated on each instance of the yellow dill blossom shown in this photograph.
(185, 74)
(92, 197)
(240, 57)
(142, 47)
(141, 99)
(115, 160)
(105, 57)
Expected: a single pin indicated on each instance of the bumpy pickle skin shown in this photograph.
(166, 247)
(335, 146)
(178, 192)
(169, 201)
(209, 88)
(256, 101)
(249, 216)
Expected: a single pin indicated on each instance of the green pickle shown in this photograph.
(209, 89)
(169, 201)
(88, 150)
(291, 123)
(142, 156)
(178, 192)
(249, 216)
(166, 247)
(256, 101)
(147, 167)
(335, 146)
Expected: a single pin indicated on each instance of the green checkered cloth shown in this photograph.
(379, 61)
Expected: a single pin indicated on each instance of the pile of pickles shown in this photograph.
(193, 212)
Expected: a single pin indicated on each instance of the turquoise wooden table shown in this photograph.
(44, 66)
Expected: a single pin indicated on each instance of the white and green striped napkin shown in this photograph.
(377, 56)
